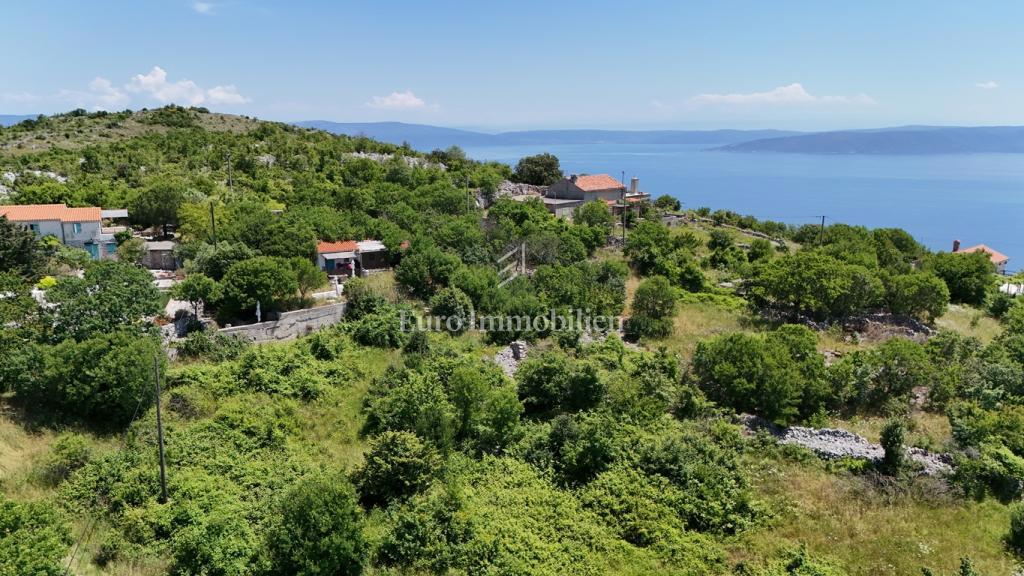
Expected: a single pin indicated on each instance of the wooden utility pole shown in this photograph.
(160, 429)
(213, 222)
(821, 232)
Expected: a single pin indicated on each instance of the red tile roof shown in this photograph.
(344, 246)
(597, 182)
(994, 255)
(40, 212)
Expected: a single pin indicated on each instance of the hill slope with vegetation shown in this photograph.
(369, 448)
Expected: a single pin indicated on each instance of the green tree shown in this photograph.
(541, 170)
(102, 378)
(669, 203)
(396, 466)
(454, 307)
(892, 437)
(317, 530)
(20, 252)
(215, 259)
(918, 294)
(760, 249)
(197, 289)
(265, 280)
(966, 275)
(110, 295)
(157, 204)
(653, 309)
(595, 213)
(426, 270)
(132, 251)
(307, 274)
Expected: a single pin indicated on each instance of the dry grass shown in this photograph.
(871, 530)
(970, 321)
(697, 321)
(924, 429)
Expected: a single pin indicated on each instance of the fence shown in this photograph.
(290, 325)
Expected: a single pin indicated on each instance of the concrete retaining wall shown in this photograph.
(291, 324)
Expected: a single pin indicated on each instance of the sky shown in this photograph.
(526, 64)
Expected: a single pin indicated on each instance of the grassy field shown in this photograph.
(970, 321)
(875, 530)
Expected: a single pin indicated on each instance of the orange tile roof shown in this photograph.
(597, 182)
(39, 212)
(343, 246)
(994, 255)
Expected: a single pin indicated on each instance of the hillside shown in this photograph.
(373, 447)
(430, 137)
(895, 141)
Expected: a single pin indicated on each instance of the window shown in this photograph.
(77, 227)
(34, 228)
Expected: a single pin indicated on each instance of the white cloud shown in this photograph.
(225, 95)
(990, 85)
(101, 95)
(155, 85)
(397, 101)
(792, 94)
(203, 7)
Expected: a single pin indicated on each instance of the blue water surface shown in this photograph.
(976, 198)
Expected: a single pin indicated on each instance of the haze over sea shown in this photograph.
(976, 198)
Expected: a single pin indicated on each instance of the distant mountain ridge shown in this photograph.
(903, 140)
(423, 136)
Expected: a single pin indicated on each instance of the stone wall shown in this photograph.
(290, 324)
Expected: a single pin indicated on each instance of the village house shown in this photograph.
(78, 227)
(573, 191)
(351, 258)
(999, 260)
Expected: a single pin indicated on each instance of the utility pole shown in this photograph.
(213, 222)
(160, 429)
(623, 200)
(821, 232)
(231, 183)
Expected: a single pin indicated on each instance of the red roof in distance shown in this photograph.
(597, 182)
(994, 255)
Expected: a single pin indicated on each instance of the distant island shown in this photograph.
(895, 141)
(422, 136)
(903, 140)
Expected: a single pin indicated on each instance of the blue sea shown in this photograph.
(976, 198)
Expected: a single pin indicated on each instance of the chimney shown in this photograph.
(572, 178)
(634, 185)
(956, 245)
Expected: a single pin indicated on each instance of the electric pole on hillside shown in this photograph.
(821, 232)
(160, 429)
(213, 222)
(231, 183)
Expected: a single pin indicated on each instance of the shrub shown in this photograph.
(919, 294)
(104, 378)
(551, 382)
(1015, 537)
(454, 307)
(68, 453)
(284, 370)
(653, 309)
(33, 539)
(396, 466)
(318, 529)
(381, 329)
(892, 438)
(211, 345)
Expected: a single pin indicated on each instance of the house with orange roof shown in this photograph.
(567, 194)
(999, 260)
(351, 258)
(78, 227)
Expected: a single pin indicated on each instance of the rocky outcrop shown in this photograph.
(837, 444)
